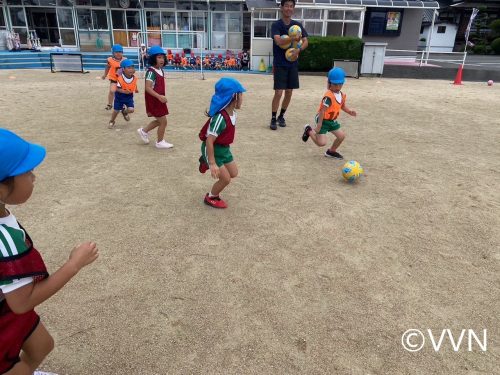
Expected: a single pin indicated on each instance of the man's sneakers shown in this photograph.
(305, 135)
(111, 125)
(273, 124)
(125, 113)
(203, 167)
(281, 121)
(164, 144)
(144, 136)
(215, 202)
(334, 154)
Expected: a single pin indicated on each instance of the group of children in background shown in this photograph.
(210, 61)
(24, 280)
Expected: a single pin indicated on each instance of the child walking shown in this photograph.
(111, 71)
(124, 89)
(24, 281)
(156, 101)
(329, 109)
(217, 135)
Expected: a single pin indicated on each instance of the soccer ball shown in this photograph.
(297, 44)
(351, 171)
(294, 31)
(286, 46)
(490, 82)
(289, 56)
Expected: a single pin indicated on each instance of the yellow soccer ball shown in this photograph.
(294, 31)
(289, 56)
(286, 46)
(297, 44)
(351, 171)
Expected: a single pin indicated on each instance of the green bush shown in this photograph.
(495, 26)
(495, 46)
(319, 56)
(479, 49)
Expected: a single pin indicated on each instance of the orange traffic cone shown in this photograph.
(458, 77)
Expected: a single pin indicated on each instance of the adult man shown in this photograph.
(286, 73)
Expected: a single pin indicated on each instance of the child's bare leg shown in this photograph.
(20, 368)
(111, 95)
(232, 168)
(38, 345)
(222, 182)
(153, 124)
(318, 139)
(162, 125)
(339, 137)
(130, 109)
(113, 116)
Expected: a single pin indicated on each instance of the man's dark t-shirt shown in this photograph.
(279, 28)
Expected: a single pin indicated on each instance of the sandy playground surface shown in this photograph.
(304, 273)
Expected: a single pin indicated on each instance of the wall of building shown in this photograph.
(442, 42)
(410, 32)
(261, 49)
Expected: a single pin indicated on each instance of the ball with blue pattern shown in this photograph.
(351, 171)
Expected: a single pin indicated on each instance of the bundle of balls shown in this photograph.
(294, 42)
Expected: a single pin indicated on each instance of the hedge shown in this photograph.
(495, 45)
(322, 51)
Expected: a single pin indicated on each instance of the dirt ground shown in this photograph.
(303, 273)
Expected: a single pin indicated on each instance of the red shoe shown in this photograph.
(203, 166)
(214, 202)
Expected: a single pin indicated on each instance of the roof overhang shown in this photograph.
(272, 4)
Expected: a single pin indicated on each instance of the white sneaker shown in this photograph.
(144, 136)
(43, 373)
(164, 144)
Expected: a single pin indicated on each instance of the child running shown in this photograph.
(124, 89)
(156, 101)
(24, 280)
(111, 71)
(329, 109)
(217, 135)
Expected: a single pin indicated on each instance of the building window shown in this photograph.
(383, 22)
(126, 26)
(314, 27)
(441, 29)
(2, 19)
(262, 29)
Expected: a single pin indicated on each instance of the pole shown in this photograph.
(430, 35)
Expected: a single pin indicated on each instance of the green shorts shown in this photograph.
(222, 154)
(328, 126)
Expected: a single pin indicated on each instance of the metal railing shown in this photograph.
(423, 57)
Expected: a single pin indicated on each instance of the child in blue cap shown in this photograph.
(124, 89)
(217, 135)
(24, 280)
(111, 71)
(156, 101)
(326, 119)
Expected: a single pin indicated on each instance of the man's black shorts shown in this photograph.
(286, 77)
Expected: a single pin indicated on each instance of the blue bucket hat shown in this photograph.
(156, 50)
(336, 76)
(117, 48)
(17, 156)
(126, 63)
(225, 88)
